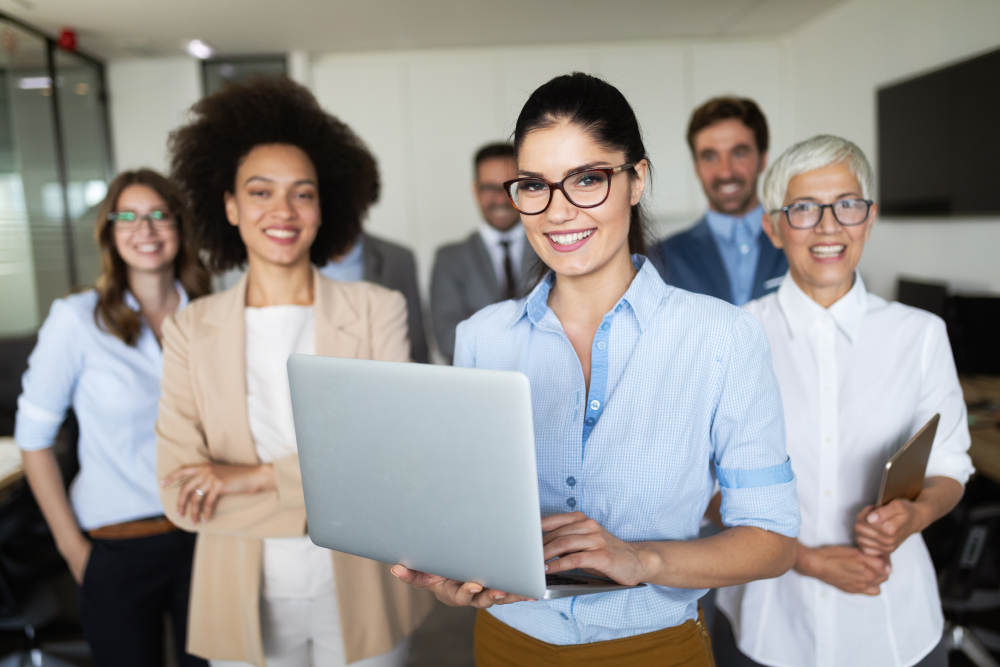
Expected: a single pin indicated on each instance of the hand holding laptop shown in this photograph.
(881, 531)
(573, 540)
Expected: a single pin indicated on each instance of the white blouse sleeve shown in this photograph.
(942, 393)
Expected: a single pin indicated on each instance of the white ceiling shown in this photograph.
(123, 28)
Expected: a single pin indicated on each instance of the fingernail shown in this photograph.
(888, 569)
(394, 573)
(475, 589)
(499, 597)
(873, 517)
(546, 568)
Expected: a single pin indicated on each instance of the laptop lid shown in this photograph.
(429, 466)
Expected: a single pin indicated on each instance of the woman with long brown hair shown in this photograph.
(99, 353)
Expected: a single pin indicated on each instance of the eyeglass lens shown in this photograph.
(805, 215)
(587, 188)
(127, 220)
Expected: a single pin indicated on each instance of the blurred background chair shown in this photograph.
(967, 555)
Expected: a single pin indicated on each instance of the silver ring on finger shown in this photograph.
(199, 492)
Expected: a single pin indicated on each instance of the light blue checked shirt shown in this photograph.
(678, 381)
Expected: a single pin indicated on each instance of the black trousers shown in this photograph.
(128, 586)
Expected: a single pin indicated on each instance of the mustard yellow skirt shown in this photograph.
(687, 645)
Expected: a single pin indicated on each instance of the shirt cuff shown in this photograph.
(773, 508)
(734, 478)
(35, 428)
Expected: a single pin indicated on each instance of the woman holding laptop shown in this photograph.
(858, 376)
(640, 391)
(277, 185)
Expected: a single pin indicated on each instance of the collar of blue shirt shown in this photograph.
(643, 296)
(133, 303)
(724, 226)
(801, 312)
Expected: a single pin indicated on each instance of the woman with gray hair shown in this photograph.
(858, 377)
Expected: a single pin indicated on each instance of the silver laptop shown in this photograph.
(432, 467)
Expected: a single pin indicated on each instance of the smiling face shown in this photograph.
(576, 241)
(145, 249)
(275, 204)
(488, 189)
(822, 260)
(728, 164)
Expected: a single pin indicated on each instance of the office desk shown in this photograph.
(11, 470)
(982, 396)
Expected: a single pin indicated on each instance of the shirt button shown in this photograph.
(601, 345)
(571, 481)
(571, 502)
(590, 421)
(826, 388)
(605, 326)
(828, 439)
(618, 307)
(565, 617)
(744, 248)
(595, 405)
(827, 493)
(822, 595)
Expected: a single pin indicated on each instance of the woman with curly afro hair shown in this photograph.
(278, 185)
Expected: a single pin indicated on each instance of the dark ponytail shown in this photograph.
(602, 111)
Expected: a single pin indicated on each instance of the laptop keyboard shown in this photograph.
(559, 580)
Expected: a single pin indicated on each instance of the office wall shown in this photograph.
(147, 99)
(833, 91)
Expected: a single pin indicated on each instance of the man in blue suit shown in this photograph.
(725, 255)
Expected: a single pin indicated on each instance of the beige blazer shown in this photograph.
(203, 417)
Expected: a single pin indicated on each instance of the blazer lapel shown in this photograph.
(339, 327)
(771, 265)
(483, 263)
(710, 265)
(223, 376)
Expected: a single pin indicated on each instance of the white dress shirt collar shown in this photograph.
(801, 312)
(493, 236)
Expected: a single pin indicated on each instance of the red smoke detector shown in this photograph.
(67, 40)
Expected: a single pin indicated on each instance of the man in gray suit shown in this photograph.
(385, 263)
(493, 264)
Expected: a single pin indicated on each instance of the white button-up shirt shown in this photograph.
(857, 380)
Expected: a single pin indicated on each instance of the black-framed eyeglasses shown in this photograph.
(586, 188)
(807, 214)
(129, 221)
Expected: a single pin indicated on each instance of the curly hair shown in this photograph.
(206, 153)
(111, 313)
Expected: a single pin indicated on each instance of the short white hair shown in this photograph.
(821, 151)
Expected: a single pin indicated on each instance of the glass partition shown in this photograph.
(54, 165)
(87, 159)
